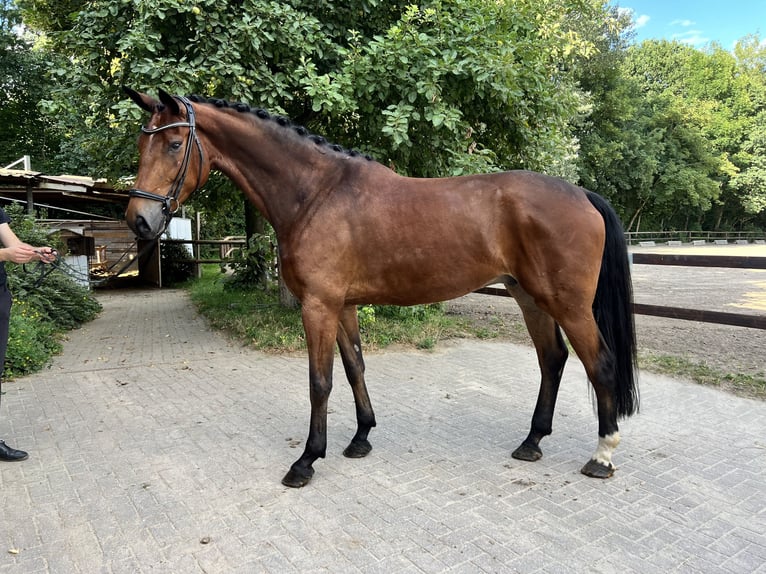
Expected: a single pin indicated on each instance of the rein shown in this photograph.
(170, 203)
(43, 270)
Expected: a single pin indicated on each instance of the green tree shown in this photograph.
(749, 183)
(25, 131)
(672, 137)
(618, 147)
(444, 87)
(461, 86)
(645, 144)
(715, 106)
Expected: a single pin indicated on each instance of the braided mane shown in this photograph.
(279, 120)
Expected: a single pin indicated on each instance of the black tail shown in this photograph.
(613, 308)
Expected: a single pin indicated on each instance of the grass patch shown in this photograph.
(751, 386)
(421, 327)
(256, 318)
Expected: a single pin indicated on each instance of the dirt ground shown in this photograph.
(727, 349)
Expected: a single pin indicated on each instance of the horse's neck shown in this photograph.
(277, 175)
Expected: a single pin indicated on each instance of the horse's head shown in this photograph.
(171, 164)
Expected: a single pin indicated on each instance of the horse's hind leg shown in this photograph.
(599, 364)
(350, 345)
(551, 355)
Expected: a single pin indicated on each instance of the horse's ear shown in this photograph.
(142, 100)
(170, 102)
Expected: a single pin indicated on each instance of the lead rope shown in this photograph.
(60, 264)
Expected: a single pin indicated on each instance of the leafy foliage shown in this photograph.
(750, 182)
(22, 84)
(670, 134)
(176, 264)
(459, 87)
(63, 303)
(446, 87)
(670, 131)
(252, 266)
(41, 312)
(32, 340)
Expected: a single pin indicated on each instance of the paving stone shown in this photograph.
(158, 446)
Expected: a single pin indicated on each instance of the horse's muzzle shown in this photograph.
(149, 220)
(142, 228)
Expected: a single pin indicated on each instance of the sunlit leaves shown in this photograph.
(435, 89)
(668, 139)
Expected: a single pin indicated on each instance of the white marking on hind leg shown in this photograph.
(606, 446)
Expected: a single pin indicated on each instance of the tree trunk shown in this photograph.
(718, 218)
(255, 224)
(286, 298)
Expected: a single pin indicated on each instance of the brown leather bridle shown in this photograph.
(170, 203)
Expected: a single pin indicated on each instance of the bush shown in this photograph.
(176, 264)
(251, 266)
(40, 312)
(31, 343)
(58, 300)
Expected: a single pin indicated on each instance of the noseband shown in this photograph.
(170, 203)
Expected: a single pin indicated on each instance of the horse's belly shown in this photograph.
(419, 285)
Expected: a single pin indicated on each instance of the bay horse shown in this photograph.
(351, 231)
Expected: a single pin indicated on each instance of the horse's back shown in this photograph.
(406, 240)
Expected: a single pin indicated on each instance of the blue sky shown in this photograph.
(697, 22)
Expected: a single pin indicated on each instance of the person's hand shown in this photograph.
(21, 253)
(46, 254)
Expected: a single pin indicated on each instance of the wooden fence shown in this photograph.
(225, 247)
(701, 315)
(731, 262)
(634, 237)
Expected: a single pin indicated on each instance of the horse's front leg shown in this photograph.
(320, 323)
(350, 345)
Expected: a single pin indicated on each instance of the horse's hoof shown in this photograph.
(297, 479)
(358, 449)
(528, 452)
(597, 469)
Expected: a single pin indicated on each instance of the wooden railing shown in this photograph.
(732, 262)
(635, 237)
(225, 248)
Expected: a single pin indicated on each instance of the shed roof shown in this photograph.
(58, 192)
(17, 183)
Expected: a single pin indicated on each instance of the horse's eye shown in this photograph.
(175, 146)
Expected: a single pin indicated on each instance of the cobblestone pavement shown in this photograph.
(158, 446)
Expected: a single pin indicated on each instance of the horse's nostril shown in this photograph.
(142, 228)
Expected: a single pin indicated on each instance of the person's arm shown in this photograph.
(17, 251)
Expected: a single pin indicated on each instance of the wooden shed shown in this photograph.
(105, 243)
